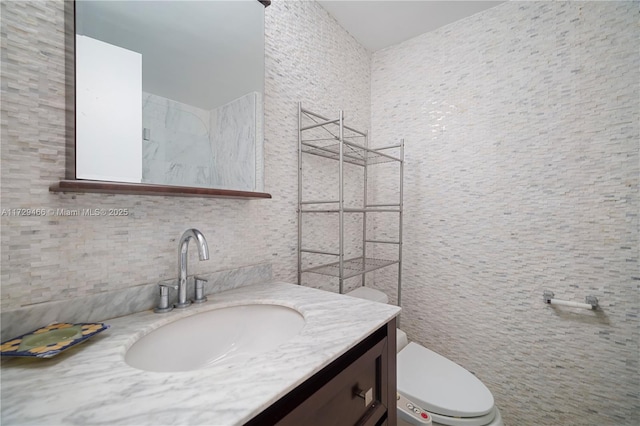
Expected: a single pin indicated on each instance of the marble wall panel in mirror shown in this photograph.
(170, 92)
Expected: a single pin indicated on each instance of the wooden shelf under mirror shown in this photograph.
(93, 186)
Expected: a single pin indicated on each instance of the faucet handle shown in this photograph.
(199, 285)
(163, 302)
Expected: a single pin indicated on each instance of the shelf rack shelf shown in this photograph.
(332, 139)
(352, 153)
(351, 267)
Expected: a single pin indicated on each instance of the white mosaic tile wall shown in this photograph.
(309, 58)
(522, 173)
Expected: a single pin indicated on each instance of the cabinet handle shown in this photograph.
(367, 396)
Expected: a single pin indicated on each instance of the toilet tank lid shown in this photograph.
(369, 294)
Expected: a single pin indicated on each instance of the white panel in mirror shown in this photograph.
(108, 84)
(202, 85)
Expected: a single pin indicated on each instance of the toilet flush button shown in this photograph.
(424, 415)
(416, 410)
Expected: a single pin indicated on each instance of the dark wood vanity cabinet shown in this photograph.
(359, 388)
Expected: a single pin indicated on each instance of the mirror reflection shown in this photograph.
(170, 92)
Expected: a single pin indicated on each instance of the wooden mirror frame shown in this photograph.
(71, 184)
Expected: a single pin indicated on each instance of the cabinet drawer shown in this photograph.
(338, 402)
(331, 397)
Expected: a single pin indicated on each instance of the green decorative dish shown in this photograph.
(49, 341)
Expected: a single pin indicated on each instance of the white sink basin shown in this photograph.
(221, 335)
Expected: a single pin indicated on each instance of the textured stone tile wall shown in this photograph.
(522, 173)
(309, 58)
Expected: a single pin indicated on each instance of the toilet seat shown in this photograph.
(443, 388)
(452, 395)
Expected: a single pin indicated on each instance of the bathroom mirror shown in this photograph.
(170, 92)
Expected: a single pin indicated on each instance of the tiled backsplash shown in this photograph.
(116, 303)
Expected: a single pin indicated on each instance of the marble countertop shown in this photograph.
(91, 384)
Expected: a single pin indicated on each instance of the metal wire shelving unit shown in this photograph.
(339, 142)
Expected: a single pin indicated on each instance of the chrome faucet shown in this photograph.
(203, 254)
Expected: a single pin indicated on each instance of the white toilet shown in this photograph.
(449, 393)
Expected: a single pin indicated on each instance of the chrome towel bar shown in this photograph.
(591, 302)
